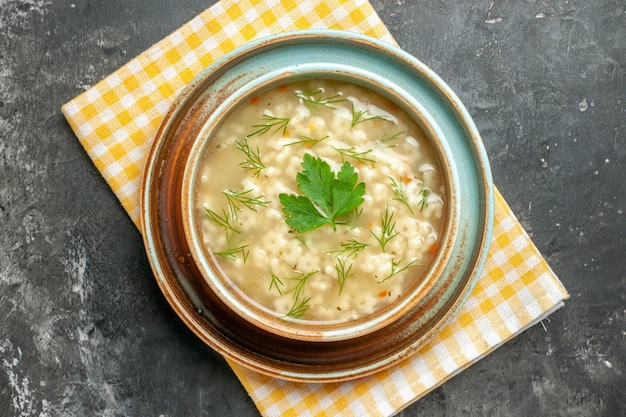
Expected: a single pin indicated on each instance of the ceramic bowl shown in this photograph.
(214, 308)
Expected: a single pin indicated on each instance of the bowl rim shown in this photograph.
(175, 270)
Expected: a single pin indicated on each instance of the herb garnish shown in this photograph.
(315, 98)
(342, 272)
(307, 141)
(231, 253)
(353, 153)
(276, 283)
(391, 138)
(359, 116)
(396, 268)
(351, 248)
(388, 225)
(326, 196)
(424, 192)
(298, 309)
(234, 199)
(397, 190)
(279, 123)
(253, 157)
(300, 304)
(222, 221)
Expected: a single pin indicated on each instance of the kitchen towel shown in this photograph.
(116, 120)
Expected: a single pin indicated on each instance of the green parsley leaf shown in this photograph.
(326, 196)
(302, 215)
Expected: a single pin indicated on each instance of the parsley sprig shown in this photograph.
(326, 196)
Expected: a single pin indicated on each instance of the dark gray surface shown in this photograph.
(84, 328)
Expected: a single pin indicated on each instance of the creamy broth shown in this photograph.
(339, 272)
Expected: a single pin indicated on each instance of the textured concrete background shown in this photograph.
(84, 330)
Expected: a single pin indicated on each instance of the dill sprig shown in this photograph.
(351, 248)
(278, 123)
(359, 116)
(399, 192)
(396, 268)
(307, 141)
(353, 153)
(300, 304)
(236, 199)
(253, 157)
(388, 225)
(298, 309)
(301, 280)
(231, 253)
(316, 98)
(424, 193)
(276, 283)
(342, 272)
(222, 221)
(391, 138)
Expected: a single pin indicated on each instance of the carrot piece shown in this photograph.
(254, 100)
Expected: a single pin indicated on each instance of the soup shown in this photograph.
(321, 200)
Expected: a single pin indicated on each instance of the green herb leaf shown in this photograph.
(231, 253)
(302, 215)
(353, 153)
(350, 248)
(236, 198)
(388, 225)
(253, 157)
(342, 272)
(299, 307)
(222, 220)
(307, 141)
(278, 123)
(424, 193)
(326, 195)
(396, 268)
(276, 283)
(359, 116)
(396, 187)
(312, 98)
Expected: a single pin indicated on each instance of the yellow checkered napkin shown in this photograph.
(116, 121)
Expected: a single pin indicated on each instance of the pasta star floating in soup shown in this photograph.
(321, 200)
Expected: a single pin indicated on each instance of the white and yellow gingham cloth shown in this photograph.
(116, 121)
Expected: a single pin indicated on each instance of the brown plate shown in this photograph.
(203, 311)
